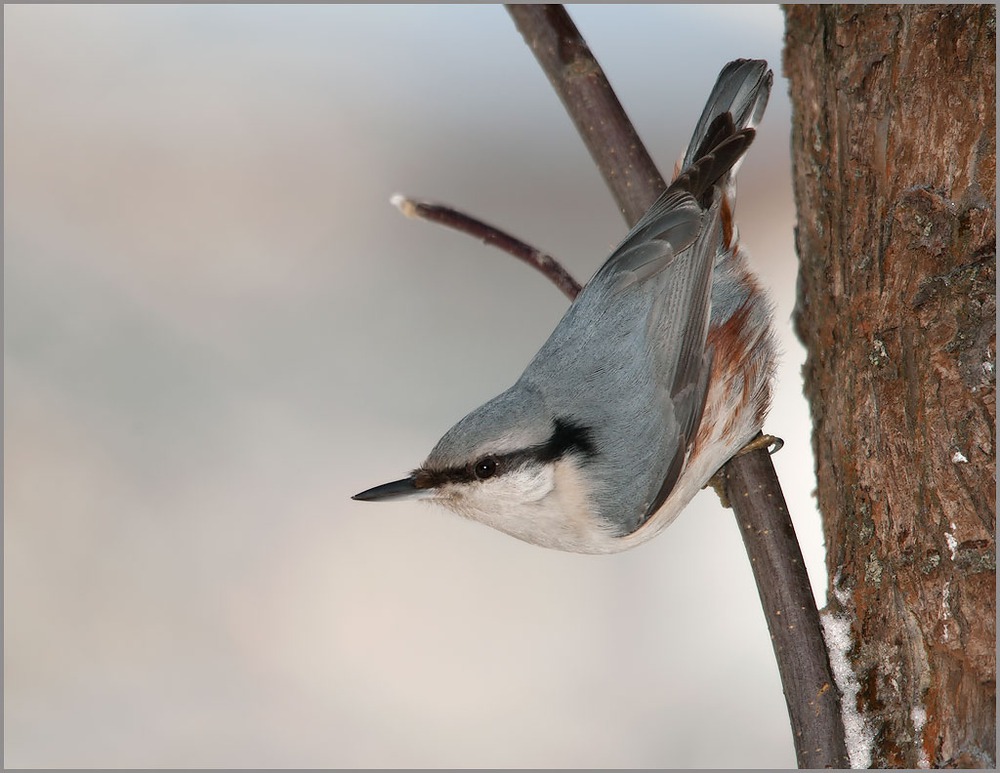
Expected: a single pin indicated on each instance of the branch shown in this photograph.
(811, 693)
(590, 101)
(488, 234)
(752, 485)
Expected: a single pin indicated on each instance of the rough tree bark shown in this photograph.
(894, 149)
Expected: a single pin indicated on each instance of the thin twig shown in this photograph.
(488, 234)
(759, 505)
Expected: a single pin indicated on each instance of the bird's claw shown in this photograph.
(771, 443)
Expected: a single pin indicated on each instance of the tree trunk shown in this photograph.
(894, 151)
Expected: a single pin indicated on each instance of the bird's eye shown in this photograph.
(486, 468)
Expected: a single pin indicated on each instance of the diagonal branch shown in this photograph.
(488, 234)
(751, 482)
(593, 106)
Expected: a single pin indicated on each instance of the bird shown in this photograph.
(658, 373)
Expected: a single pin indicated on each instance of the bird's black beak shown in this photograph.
(398, 489)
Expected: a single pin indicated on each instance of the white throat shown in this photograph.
(548, 504)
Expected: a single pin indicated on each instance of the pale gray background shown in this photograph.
(217, 329)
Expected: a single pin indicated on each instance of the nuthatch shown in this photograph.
(658, 373)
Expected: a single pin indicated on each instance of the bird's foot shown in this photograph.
(771, 443)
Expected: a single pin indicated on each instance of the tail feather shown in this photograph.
(721, 150)
(742, 90)
(673, 223)
(740, 96)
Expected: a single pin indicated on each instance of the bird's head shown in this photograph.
(512, 465)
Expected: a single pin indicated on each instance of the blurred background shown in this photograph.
(217, 330)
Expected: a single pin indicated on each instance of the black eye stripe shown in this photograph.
(501, 463)
(567, 438)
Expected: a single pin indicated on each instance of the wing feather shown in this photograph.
(676, 219)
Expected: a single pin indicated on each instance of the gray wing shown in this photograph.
(674, 246)
(682, 351)
(628, 359)
(675, 220)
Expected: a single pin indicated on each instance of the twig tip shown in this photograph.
(403, 204)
